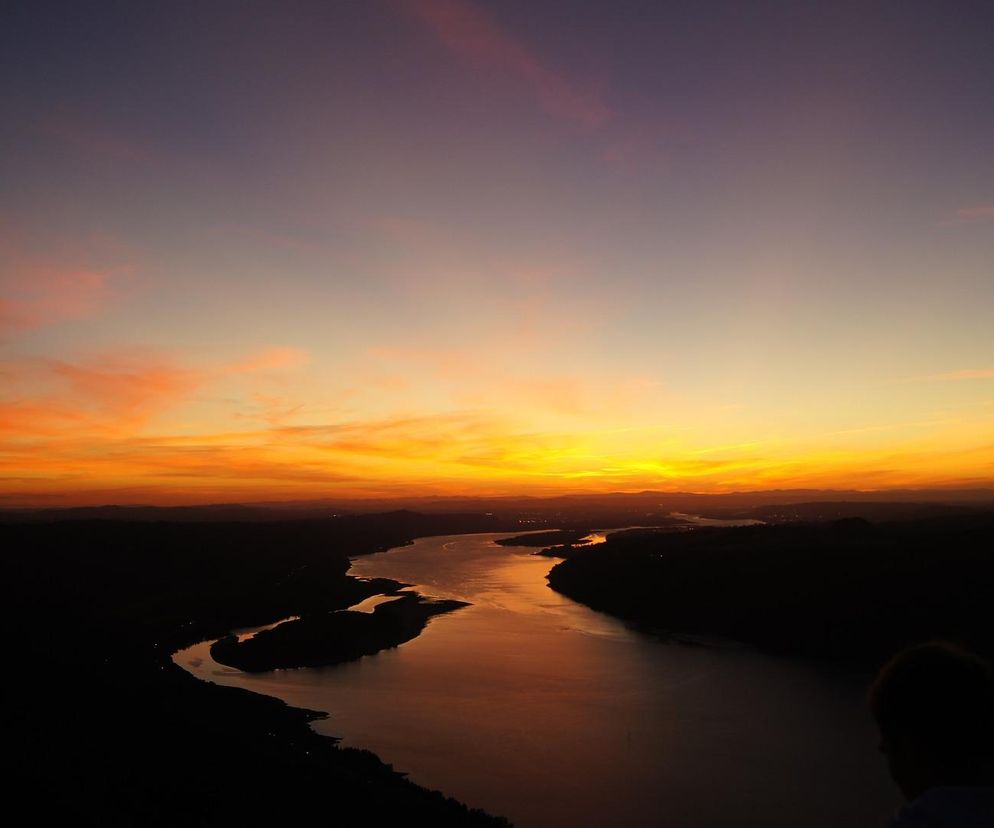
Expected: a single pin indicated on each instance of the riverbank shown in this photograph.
(108, 731)
(849, 591)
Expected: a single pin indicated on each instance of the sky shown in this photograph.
(256, 251)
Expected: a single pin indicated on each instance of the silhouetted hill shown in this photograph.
(849, 589)
(878, 512)
(602, 510)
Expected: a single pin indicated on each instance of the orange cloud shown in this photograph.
(471, 33)
(127, 386)
(271, 359)
(107, 395)
(114, 393)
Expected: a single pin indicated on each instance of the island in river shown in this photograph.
(333, 637)
(556, 544)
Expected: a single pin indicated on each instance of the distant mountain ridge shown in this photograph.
(594, 506)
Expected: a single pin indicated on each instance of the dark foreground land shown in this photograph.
(103, 729)
(849, 590)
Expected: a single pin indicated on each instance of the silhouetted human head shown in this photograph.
(934, 705)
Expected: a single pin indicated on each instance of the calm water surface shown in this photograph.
(531, 706)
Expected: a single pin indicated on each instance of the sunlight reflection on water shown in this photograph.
(532, 706)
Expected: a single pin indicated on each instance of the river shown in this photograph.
(534, 707)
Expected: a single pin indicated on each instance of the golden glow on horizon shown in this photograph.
(127, 431)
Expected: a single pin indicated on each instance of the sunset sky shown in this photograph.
(281, 250)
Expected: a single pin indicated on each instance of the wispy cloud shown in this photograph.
(115, 393)
(470, 32)
(443, 363)
(38, 295)
(59, 279)
(127, 386)
(498, 371)
(982, 213)
(962, 374)
(270, 359)
(976, 214)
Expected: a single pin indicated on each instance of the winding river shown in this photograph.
(534, 707)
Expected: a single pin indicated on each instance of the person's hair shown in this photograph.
(941, 697)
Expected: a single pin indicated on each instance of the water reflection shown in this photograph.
(371, 603)
(592, 539)
(534, 707)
